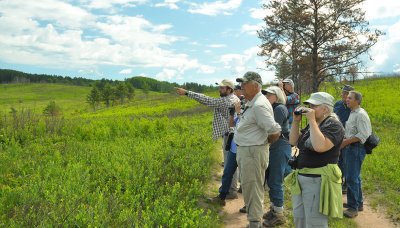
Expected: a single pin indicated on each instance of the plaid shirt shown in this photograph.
(221, 110)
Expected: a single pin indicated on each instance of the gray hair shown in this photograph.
(258, 84)
(330, 111)
(357, 96)
(279, 94)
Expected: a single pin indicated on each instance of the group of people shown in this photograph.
(260, 127)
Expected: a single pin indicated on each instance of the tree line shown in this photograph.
(139, 82)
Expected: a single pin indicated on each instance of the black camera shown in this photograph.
(300, 110)
(232, 110)
(293, 162)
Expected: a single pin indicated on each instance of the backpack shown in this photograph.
(372, 142)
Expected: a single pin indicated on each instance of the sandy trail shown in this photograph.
(368, 218)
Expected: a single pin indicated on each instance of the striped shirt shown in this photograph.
(358, 125)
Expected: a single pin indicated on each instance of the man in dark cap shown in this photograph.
(255, 131)
(343, 112)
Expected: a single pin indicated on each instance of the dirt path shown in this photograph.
(365, 219)
(368, 218)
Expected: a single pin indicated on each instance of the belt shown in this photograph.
(309, 175)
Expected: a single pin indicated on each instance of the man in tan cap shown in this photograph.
(221, 114)
(255, 131)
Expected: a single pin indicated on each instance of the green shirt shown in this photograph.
(331, 202)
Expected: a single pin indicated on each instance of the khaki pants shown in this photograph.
(234, 184)
(253, 161)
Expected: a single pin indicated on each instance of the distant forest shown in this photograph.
(139, 82)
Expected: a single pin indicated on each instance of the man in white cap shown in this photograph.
(255, 131)
(221, 114)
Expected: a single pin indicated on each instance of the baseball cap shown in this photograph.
(249, 76)
(347, 88)
(226, 82)
(290, 81)
(268, 90)
(320, 98)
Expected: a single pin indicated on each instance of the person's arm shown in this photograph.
(280, 84)
(319, 142)
(220, 102)
(265, 120)
(274, 137)
(238, 109)
(231, 121)
(294, 131)
(349, 141)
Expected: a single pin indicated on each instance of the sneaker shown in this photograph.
(243, 209)
(350, 213)
(217, 200)
(276, 219)
(360, 208)
(232, 195)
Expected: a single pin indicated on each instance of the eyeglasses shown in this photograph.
(313, 106)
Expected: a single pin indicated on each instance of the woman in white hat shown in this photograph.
(316, 180)
(279, 154)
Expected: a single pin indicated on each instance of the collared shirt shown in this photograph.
(293, 100)
(221, 110)
(257, 123)
(343, 112)
(358, 125)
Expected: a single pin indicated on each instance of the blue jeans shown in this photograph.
(278, 158)
(355, 154)
(227, 176)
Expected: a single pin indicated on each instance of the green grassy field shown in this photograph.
(145, 163)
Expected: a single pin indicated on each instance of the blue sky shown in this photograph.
(170, 40)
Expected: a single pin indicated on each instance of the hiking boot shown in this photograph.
(360, 208)
(350, 213)
(344, 189)
(243, 209)
(232, 195)
(275, 219)
(217, 200)
(268, 215)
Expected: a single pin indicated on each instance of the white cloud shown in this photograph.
(109, 4)
(206, 70)
(59, 13)
(251, 29)
(381, 9)
(259, 13)
(215, 8)
(237, 64)
(166, 74)
(386, 52)
(171, 4)
(216, 45)
(126, 71)
(62, 42)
